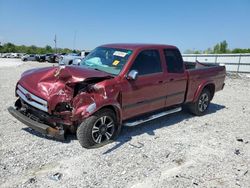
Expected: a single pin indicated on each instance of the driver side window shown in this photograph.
(147, 62)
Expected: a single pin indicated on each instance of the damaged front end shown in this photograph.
(55, 100)
(43, 128)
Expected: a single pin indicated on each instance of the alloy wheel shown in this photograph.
(103, 129)
(203, 102)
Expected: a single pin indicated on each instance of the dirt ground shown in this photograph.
(178, 150)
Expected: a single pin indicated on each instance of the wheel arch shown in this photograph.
(115, 109)
(207, 85)
(211, 88)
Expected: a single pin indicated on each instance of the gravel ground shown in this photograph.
(10, 62)
(179, 150)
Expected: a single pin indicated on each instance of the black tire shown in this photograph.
(200, 107)
(96, 130)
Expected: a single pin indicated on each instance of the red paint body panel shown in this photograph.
(52, 83)
(198, 79)
(128, 98)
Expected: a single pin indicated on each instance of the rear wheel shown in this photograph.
(98, 129)
(201, 105)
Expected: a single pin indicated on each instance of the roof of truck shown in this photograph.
(133, 46)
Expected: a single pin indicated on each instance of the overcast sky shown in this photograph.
(188, 24)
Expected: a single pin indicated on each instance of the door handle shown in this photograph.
(160, 82)
(171, 79)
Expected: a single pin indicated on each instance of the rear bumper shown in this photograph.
(39, 127)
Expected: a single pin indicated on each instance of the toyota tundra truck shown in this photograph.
(115, 85)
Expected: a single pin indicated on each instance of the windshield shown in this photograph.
(108, 60)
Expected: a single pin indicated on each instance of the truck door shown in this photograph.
(146, 93)
(176, 78)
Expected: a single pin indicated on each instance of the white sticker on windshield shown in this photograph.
(120, 54)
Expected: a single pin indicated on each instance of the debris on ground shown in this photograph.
(167, 155)
(237, 151)
(245, 173)
(57, 176)
(239, 139)
(140, 145)
(32, 180)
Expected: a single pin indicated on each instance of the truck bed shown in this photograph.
(199, 73)
(198, 65)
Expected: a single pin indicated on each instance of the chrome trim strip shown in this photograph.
(35, 98)
(155, 116)
(32, 103)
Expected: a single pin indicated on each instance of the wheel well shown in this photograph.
(115, 110)
(211, 88)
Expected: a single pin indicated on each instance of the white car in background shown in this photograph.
(5, 55)
(73, 58)
(11, 55)
(29, 57)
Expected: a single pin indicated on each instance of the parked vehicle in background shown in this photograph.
(58, 57)
(68, 59)
(40, 58)
(5, 55)
(115, 85)
(11, 55)
(20, 55)
(47, 57)
(77, 61)
(29, 57)
(54, 58)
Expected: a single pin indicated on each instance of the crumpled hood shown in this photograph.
(46, 82)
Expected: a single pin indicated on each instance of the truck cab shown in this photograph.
(160, 82)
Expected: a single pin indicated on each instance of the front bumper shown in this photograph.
(39, 127)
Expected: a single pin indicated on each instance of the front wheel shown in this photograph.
(98, 129)
(201, 105)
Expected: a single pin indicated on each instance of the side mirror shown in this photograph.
(132, 75)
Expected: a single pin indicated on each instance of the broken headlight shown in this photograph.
(63, 106)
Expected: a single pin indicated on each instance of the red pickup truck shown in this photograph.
(115, 85)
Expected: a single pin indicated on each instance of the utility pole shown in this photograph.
(74, 41)
(55, 40)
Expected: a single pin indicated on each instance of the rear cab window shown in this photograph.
(147, 62)
(174, 61)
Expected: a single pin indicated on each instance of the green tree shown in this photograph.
(239, 50)
(48, 49)
(221, 48)
(192, 52)
(208, 51)
(9, 47)
(216, 49)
